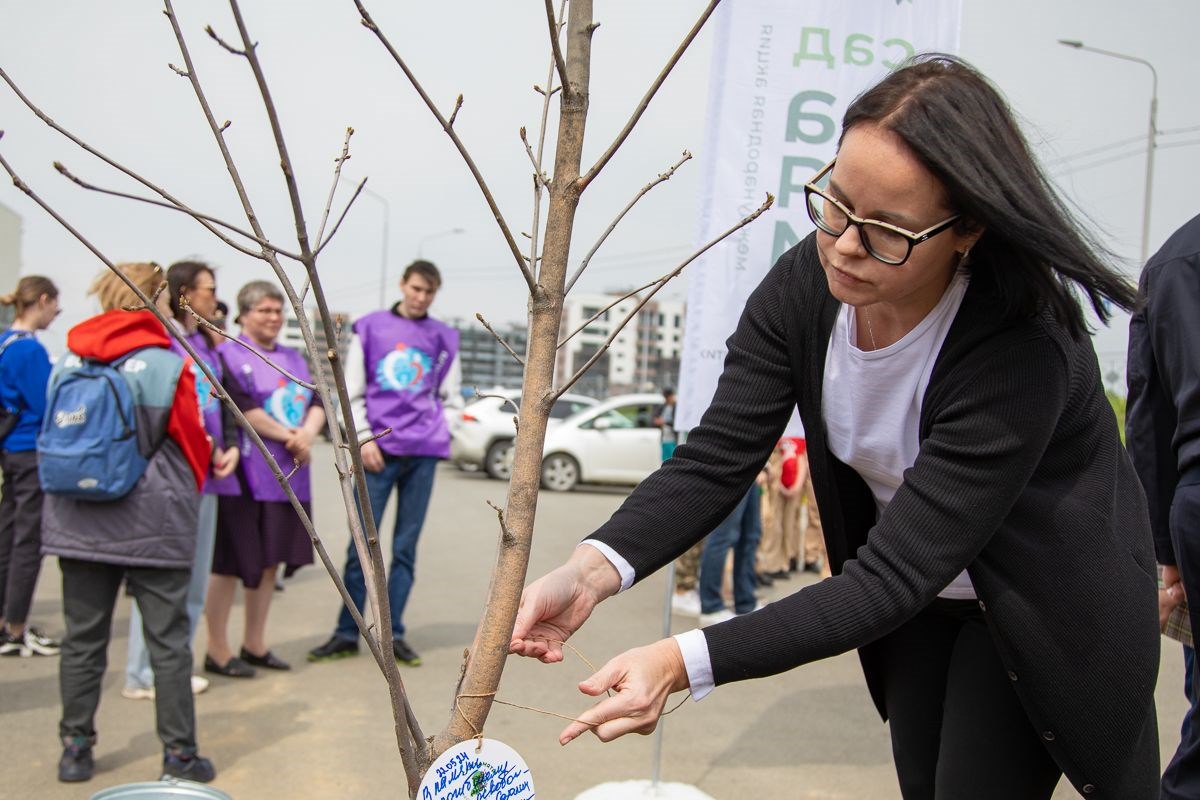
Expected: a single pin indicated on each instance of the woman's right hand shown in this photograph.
(556, 605)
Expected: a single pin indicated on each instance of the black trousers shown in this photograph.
(89, 595)
(20, 534)
(958, 729)
(1181, 779)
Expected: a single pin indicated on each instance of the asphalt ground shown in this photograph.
(325, 730)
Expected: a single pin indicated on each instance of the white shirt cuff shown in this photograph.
(694, 647)
(614, 558)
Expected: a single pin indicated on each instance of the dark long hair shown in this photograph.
(182, 275)
(1033, 251)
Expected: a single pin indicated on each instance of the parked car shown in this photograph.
(481, 433)
(613, 442)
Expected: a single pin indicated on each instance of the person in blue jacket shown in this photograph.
(24, 371)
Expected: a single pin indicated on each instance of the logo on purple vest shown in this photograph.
(288, 403)
(404, 369)
(205, 395)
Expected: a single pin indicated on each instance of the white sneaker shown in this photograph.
(138, 693)
(199, 686)
(686, 604)
(40, 643)
(715, 617)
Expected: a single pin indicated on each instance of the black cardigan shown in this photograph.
(1021, 479)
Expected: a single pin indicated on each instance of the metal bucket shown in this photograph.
(166, 789)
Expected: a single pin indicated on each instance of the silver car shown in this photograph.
(481, 434)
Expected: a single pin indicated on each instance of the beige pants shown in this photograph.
(687, 568)
(813, 536)
(781, 519)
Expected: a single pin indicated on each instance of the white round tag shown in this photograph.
(465, 772)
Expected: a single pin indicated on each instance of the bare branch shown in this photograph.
(586, 179)
(295, 469)
(659, 284)
(499, 339)
(506, 537)
(345, 211)
(337, 175)
(217, 130)
(285, 162)
(540, 179)
(458, 104)
(263, 243)
(213, 35)
(555, 48)
(163, 193)
(370, 25)
(202, 322)
(181, 73)
(505, 398)
(374, 436)
(662, 177)
(604, 311)
(538, 175)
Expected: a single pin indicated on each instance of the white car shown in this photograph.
(613, 442)
(481, 434)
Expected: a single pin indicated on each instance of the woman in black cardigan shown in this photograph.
(988, 537)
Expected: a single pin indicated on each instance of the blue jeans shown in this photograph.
(413, 477)
(741, 531)
(138, 674)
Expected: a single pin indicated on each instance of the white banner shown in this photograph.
(782, 76)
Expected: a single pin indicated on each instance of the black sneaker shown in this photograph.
(76, 764)
(335, 648)
(189, 766)
(405, 654)
(12, 645)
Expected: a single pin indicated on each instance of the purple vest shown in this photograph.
(406, 361)
(285, 401)
(210, 406)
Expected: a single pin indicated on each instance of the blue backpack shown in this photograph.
(88, 445)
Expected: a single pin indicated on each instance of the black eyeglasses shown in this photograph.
(885, 242)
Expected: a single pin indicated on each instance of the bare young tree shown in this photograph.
(543, 269)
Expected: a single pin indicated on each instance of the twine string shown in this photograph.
(479, 734)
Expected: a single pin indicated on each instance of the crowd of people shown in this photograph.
(121, 461)
(983, 536)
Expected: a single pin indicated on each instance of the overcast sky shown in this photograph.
(100, 69)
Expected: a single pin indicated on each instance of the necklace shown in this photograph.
(870, 329)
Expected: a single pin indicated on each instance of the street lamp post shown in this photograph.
(448, 232)
(383, 250)
(1151, 137)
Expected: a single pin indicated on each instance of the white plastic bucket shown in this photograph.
(166, 789)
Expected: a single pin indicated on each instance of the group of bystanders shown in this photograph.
(203, 509)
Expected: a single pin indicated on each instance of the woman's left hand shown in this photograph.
(642, 679)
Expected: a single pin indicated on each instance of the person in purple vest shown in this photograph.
(192, 284)
(402, 367)
(257, 529)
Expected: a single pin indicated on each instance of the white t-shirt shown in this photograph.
(871, 402)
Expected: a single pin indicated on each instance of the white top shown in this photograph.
(872, 412)
(872, 402)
